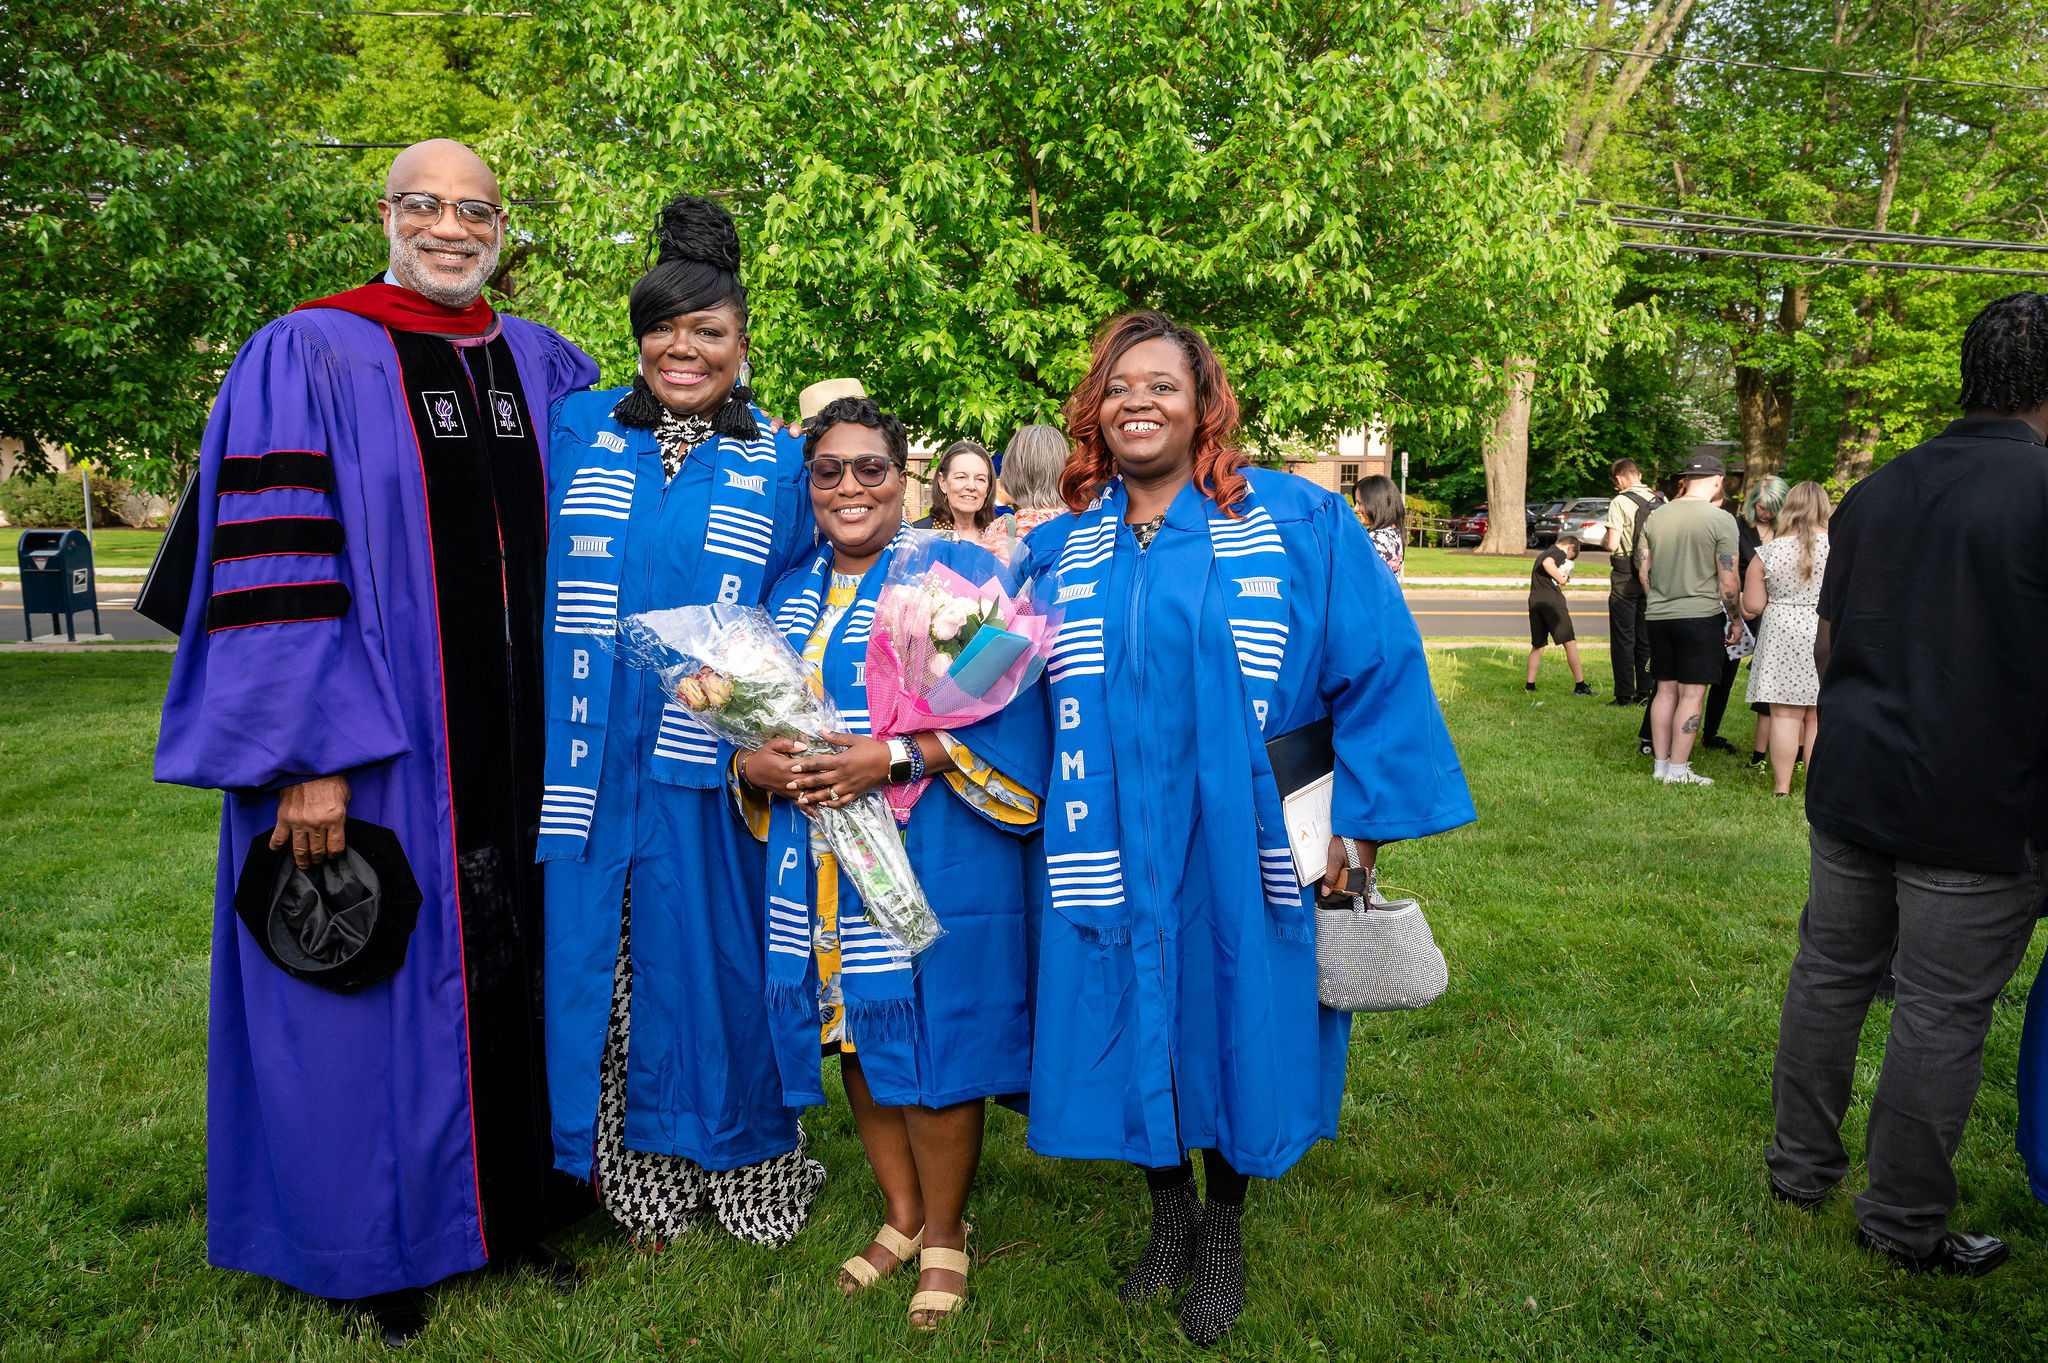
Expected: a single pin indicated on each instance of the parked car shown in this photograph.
(1462, 532)
(1585, 517)
(1543, 524)
(1467, 530)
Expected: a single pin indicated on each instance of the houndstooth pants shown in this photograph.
(659, 1197)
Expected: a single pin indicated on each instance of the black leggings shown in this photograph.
(1226, 1185)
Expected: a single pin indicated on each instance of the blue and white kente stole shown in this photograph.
(596, 509)
(1247, 587)
(875, 976)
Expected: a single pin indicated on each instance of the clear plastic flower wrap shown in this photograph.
(738, 677)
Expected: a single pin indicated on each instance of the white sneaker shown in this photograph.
(1687, 778)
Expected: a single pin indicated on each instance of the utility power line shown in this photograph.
(1781, 228)
(1807, 70)
(1680, 248)
(1726, 229)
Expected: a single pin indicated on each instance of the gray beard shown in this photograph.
(414, 273)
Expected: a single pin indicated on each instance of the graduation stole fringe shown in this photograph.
(875, 979)
(593, 513)
(1245, 591)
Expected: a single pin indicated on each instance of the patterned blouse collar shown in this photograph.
(677, 436)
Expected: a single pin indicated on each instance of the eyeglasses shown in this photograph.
(870, 470)
(420, 209)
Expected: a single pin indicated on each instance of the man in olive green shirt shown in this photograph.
(1685, 555)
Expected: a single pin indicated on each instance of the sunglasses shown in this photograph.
(869, 470)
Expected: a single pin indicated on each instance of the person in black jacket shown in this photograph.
(1927, 793)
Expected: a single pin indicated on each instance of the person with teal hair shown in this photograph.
(1763, 502)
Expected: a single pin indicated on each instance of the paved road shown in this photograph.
(1500, 615)
(1439, 614)
(116, 617)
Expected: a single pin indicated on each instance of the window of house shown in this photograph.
(1347, 478)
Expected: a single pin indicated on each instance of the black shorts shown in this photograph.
(1691, 652)
(1549, 620)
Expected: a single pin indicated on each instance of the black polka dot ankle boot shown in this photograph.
(1164, 1267)
(1214, 1302)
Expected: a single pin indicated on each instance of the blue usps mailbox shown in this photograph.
(56, 579)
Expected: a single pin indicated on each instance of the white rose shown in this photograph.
(941, 664)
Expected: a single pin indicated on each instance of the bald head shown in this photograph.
(440, 213)
(444, 167)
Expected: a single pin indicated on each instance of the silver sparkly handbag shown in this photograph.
(1375, 955)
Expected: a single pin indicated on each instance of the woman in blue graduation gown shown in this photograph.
(921, 1048)
(1176, 991)
(662, 1083)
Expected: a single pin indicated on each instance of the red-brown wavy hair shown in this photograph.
(1217, 458)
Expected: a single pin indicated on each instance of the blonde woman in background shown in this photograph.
(1786, 576)
(1032, 463)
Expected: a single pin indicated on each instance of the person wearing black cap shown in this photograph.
(1686, 553)
(1927, 797)
(676, 491)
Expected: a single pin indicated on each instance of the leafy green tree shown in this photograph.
(151, 216)
(947, 199)
(1644, 414)
(1836, 367)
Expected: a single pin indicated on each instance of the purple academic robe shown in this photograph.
(381, 1140)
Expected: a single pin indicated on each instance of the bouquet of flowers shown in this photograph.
(736, 675)
(947, 650)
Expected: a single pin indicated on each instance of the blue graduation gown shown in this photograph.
(969, 1031)
(1203, 1031)
(342, 1130)
(700, 1075)
(2031, 1138)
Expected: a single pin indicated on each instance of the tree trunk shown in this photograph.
(1506, 456)
(1764, 396)
(1763, 405)
(1856, 450)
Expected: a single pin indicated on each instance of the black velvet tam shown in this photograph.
(342, 925)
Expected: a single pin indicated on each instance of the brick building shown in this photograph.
(1359, 454)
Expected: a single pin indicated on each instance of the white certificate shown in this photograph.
(1307, 814)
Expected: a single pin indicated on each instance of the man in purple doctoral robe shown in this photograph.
(363, 641)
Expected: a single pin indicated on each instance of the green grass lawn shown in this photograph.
(1469, 563)
(1561, 1160)
(118, 547)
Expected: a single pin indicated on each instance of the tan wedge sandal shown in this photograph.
(927, 1309)
(858, 1275)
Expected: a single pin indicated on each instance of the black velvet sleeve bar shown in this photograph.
(279, 468)
(276, 535)
(280, 605)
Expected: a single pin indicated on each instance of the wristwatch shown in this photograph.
(901, 766)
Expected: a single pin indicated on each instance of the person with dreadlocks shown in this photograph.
(1176, 1003)
(1928, 804)
(672, 492)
